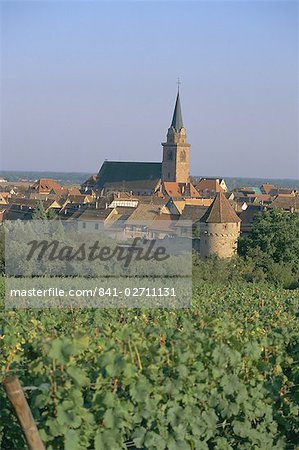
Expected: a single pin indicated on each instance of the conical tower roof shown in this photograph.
(177, 118)
(220, 211)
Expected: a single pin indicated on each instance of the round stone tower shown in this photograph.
(219, 229)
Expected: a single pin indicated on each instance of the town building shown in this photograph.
(208, 187)
(47, 186)
(152, 199)
(219, 229)
(149, 178)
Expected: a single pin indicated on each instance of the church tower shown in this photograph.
(175, 164)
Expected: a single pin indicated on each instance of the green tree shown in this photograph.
(51, 214)
(273, 246)
(275, 234)
(39, 212)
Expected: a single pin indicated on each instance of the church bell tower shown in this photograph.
(175, 163)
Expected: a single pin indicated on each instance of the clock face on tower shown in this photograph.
(183, 156)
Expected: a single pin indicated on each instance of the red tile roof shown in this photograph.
(46, 185)
(177, 190)
(266, 188)
(209, 185)
(220, 211)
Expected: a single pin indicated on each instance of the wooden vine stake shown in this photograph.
(18, 400)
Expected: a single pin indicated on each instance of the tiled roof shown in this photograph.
(46, 185)
(81, 198)
(51, 203)
(153, 200)
(122, 196)
(193, 213)
(282, 191)
(263, 198)
(199, 201)
(73, 190)
(179, 204)
(191, 204)
(220, 211)
(92, 214)
(131, 185)
(287, 203)
(266, 188)
(209, 184)
(122, 214)
(15, 212)
(250, 212)
(178, 190)
(124, 171)
(70, 209)
(23, 201)
(164, 222)
(144, 212)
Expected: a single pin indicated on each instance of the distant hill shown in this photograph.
(79, 177)
(235, 182)
(61, 177)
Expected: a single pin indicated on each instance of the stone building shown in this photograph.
(138, 178)
(147, 178)
(219, 229)
(175, 163)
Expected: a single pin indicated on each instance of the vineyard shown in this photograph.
(220, 375)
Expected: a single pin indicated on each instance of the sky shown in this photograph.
(81, 82)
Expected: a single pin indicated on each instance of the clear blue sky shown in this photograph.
(85, 81)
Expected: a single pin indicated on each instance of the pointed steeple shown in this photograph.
(177, 119)
(175, 163)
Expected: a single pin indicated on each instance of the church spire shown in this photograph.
(177, 119)
(175, 163)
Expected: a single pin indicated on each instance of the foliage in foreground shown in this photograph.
(221, 375)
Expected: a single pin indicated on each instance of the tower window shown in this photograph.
(183, 156)
(168, 175)
(170, 155)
